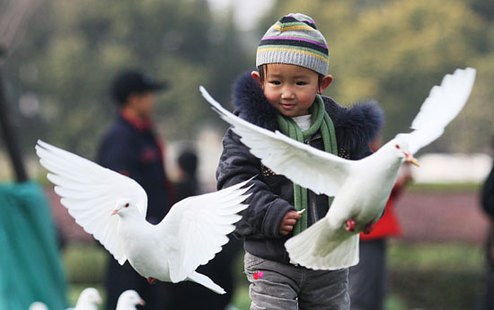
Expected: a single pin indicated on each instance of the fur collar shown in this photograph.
(356, 125)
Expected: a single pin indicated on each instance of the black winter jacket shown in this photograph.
(272, 194)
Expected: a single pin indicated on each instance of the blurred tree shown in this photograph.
(61, 72)
(389, 50)
(395, 51)
(483, 7)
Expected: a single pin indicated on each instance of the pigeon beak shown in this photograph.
(142, 302)
(411, 159)
(114, 212)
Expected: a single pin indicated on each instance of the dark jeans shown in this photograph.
(368, 279)
(289, 287)
(486, 299)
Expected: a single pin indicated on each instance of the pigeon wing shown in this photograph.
(90, 193)
(306, 166)
(441, 106)
(196, 228)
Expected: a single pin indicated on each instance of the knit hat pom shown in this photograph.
(294, 39)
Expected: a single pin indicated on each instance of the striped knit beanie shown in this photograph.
(294, 39)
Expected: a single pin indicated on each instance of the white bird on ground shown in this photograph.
(128, 300)
(38, 305)
(360, 187)
(193, 231)
(88, 300)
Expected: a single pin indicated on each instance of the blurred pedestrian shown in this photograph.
(187, 183)
(132, 147)
(188, 295)
(368, 280)
(487, 201)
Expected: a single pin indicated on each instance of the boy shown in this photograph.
(284, 94)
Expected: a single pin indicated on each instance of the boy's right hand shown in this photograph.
(288, 221)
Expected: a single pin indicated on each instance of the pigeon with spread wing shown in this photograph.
(112, 207)
(360, 187)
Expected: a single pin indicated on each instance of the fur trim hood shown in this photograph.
(354, 126)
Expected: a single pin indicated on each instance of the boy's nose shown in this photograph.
(287, 93)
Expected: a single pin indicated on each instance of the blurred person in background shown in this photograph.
(187, 183)
(188, 295)
(368, 280)
(131, 147)
(487, 201)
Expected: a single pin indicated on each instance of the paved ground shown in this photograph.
(424, 217)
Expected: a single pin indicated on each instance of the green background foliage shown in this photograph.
(395, 51)
(73, 49)
(392, 51)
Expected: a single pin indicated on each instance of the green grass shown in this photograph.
(85, 263)
(435, 276)
(423, 276)
(469, 187)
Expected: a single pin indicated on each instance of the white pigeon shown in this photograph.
(193, 231)
(38, 305)
(128, 300)
(88, 300)
(360, 187)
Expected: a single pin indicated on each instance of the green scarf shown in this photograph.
(320, 121)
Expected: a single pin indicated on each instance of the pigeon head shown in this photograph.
(124, 207)
(401, 148)
(38, 306)
(89, 296)
(129, 299)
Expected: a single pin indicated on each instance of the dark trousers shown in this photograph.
(486, 299)
(121, 278)
(368, 279)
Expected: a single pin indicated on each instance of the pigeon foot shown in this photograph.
(151, 280)
(350, 225)
(369, 227)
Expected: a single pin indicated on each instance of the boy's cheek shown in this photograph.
(273, 100)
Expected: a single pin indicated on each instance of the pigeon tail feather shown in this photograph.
(331, 251)
(205, 281)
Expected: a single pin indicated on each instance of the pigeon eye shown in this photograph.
(126, 205)
(397, 146)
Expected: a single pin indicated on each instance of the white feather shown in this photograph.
(311, 167)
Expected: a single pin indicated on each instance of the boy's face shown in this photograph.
(291, 89)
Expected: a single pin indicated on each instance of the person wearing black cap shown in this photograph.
(131, 147)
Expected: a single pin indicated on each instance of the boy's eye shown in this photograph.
(275, 82)
(301, 83)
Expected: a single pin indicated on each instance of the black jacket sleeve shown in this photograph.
(487, 196)
(263, 216)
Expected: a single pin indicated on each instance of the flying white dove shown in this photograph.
(128, 300)
(192, 232)
(88, 299)
(360, 187)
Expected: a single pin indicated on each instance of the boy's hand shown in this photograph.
(288, 222)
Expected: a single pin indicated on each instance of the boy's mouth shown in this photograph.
(287, 106)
